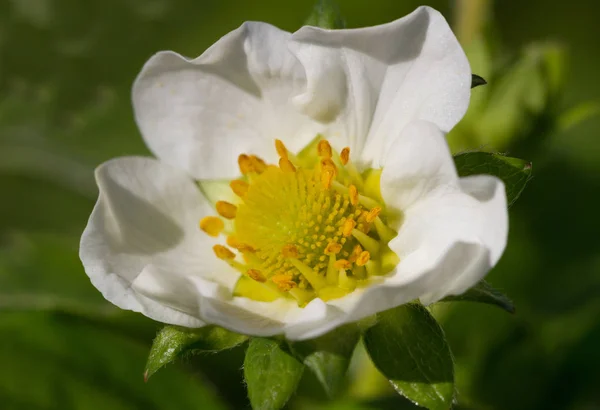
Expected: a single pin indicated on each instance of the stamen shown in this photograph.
(256, 275)
(286, 165)
(223, 253)
(345, 156)
(239, 187)
(356, 251)
(290, 251)
(332, 271)
(363, 258)
(373, 213)
(346, 282)
(284, 282)
(226, 210)
(212, 225)
(324, 149)
(385, 233)
(370, 244)
(353, 193)
(333, 248)
(281, 149)
(311, 276)
(327, 176)
(349, 225)
(258, 164)
(242, 247)
(245, 164)
(342, 264)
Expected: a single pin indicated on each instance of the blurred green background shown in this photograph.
(66, 68)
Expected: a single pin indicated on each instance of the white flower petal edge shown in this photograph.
(454, 227)
(359, 87)
(200, 114)
(146, 222)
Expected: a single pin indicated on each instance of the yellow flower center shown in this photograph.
(303, 229)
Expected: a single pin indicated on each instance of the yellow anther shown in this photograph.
(281, 149)
(373, 214)
(349, 225)
(239, 187)
(286, 165)
(342, 264)
(245, 164)
(327, 176)
(212, 225)
(256, 275)
(290, 251)
(356, 251)
(223, 253)
(284, 282)
(226, 210)
(242, 247)
(328, 164)
(324, 149)
(363, 258)
(258, 164)
(333, 248)
(345, 156)
(353, 194)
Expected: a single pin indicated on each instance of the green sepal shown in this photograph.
(328, 356)
(514, 172)
(483, 292)
(325, 14)
(174, 341)
(409, 348)
(271, 372)
(477, 80)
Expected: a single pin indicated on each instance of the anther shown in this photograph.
(363, 258)
(226, 210)
(333, 248)
(349, 225)
(256, 275)
(373, 214)
(284, 282)
(212, 225)
(223, 253)
(342, 264)
(356, 251)
(324, 149)
(245, 164)
(290, 251)
(239, 187)
(345, 156)
(286, 165)
(281, 149)
(327, 176)
(353, 194)
(258, 164)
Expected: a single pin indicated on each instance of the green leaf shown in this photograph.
(409, 347)
(514, 172)
(329, 356)
(325, 14)
(271, 374)
(476, 81)
(483, 292)
(174, 341)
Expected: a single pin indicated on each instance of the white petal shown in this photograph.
(200, 114)
(381, 78)
(146, 220)
(417, 162)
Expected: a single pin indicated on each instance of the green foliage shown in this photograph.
(325, 14)
(272, 374)
(173, 342)
(483, 292)
(329, 356)
(409, 347)
(514, 172)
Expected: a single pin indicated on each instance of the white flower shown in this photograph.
(406, 226)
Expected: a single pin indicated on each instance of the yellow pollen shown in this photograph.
(286, 165)
(363, 258)
(239, 187)
(284, 282)
(245, 164)
(212, 225)
(290, 251)
(333, 248)
(345, 156)
(353, 194)
(223, 253)
(349, 225)
(226, 210)
(373, 214)
(281, 149)
(342, 264)
(324, 149)
(256, 275)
